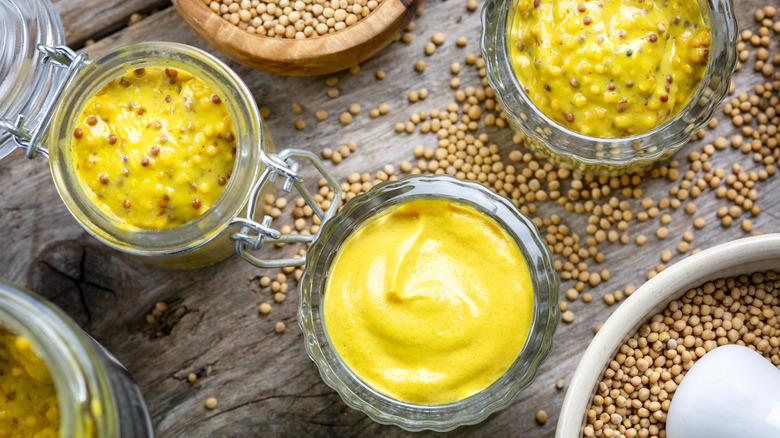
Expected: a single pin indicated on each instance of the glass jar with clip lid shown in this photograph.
(48, 89)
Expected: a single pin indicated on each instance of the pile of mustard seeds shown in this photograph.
(297, 19)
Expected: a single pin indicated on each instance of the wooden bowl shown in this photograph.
(311, 56)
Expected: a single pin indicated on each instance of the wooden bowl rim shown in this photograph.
(307, 48)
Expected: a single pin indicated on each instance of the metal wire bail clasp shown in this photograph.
(31, 138)
(253, 234)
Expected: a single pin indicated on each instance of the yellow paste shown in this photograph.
(609, 68)
(28, 400)
(154, 147)
(429, 303)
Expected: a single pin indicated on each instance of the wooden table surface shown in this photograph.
(264, 381)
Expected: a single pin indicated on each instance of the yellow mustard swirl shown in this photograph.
(609, 68)
(154, 148)
(430, 302)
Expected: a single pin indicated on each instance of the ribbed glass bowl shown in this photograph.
(610, 156)
(411, 416)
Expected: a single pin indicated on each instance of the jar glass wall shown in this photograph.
(97, 397)
(24, 86)
(410, 416)
(198, 241)
(607, 155)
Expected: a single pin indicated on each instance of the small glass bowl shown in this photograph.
(204, 239)
(411, 416)
(607, 155)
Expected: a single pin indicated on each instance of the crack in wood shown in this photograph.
(79, 281)
(270, 397)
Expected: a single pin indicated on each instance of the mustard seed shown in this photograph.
(541, 417)
(211, 403)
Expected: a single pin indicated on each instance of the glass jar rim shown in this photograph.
(213, 222)
(410, 416)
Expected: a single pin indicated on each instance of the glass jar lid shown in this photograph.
(25, 84)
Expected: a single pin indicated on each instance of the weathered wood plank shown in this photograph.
(264, 381)
(89, 19)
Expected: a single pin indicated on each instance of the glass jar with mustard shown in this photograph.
(56, 381)
(609, 87)
(153, 147)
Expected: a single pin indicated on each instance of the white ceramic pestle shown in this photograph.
(730, 392)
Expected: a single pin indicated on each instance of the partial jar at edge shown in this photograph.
(24, 86)
(610, 156)
(97, 396)
(205, 239)
(381, 408)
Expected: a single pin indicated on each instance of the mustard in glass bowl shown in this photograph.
(608, 87)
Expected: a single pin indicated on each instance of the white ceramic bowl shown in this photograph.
(743, 256)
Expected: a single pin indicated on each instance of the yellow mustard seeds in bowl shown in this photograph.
(626, 379)
(301, 37)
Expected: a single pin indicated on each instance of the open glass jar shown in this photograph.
(73, 81)
(566, 147)
(337, 228)
(96, 395)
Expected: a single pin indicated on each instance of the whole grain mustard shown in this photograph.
(28, 399)
(429, 303)
(609, 68)
(155, 147)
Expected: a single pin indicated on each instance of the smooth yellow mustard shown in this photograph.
(155, 147)
(28, 399)
(609, 68)
(430, 302)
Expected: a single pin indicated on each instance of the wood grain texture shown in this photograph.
(265, 383)
(310, 56)
(90, 19)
